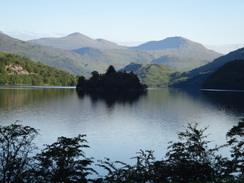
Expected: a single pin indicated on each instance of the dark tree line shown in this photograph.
(111, 80)
(189, 160)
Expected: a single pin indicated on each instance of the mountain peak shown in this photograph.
(75, 34)
(168, 43)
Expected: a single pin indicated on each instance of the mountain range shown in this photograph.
(80, 55)
(178, 53)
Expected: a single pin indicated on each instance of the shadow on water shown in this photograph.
(112, 97)
(233, 101)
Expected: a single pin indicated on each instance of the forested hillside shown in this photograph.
(17, 70)
(228, 77)
(153, 75)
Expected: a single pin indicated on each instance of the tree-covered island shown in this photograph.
(110, 81)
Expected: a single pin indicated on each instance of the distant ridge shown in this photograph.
(76, 41)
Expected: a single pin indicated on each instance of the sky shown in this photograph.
(126, 22)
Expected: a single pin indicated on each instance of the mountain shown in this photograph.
(76, 41)
(168, 43)
(196, 77)
(153, 75)
(179, 46)
(229, 77)
(17, 70)
(179, 53)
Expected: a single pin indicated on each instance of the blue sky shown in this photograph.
(210, 22)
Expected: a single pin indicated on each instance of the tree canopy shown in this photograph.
(111, 80)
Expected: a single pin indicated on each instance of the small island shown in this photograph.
(110, 81)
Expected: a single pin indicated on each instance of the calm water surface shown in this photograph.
(117, 127)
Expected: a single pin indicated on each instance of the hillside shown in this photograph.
(180, 63)
(64, 60)
(17, 70)
(118, 58)
(196, 77)
(76, 41)
(229, 77)
(154, 75)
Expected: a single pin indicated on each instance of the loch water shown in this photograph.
(117, 126)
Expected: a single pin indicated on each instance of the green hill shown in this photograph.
(229, 77)
(154, 75)
(17, 70)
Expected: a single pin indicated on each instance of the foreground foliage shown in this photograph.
(64, 161)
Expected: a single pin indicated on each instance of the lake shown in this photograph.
(119, 126)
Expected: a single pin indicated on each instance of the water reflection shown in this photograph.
(112, 97)
(16, 97)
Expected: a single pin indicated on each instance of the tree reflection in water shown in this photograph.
(113, 97)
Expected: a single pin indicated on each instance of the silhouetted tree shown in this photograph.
(16, 148)
(111, 80)
(81, 81)
(191, 160)
(110, 70)
(64, 161)
(236, 141)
